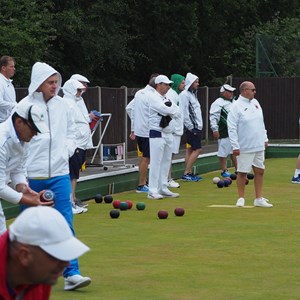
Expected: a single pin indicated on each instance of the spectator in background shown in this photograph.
(173, 94)
(7, 90)
(248, 137)
(26, 122)
(72, 90)
(34, 252)
(193, 123)
(48, 159)
(90, 116)
(218, 113)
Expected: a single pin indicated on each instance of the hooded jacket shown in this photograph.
(191, 109)
(173, 95)
(48, 153)
(83, 137)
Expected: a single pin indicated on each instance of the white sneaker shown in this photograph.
(168, 193)
(155, 196)
(240, 202)
(76, 282)
(262, 202)
(78, 210)
(173, 184)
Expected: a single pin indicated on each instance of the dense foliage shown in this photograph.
(121, 42)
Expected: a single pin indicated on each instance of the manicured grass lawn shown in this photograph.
(209, 253)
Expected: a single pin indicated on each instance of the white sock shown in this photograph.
(297, 173)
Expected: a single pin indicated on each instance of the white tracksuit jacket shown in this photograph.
(177, 124)
(246, 126)
(83, 137)
(140, 111)
(191, 108)
(48, 153)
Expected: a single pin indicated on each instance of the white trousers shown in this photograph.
(160, 160)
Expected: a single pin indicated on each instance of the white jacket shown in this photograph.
(140, 111)
(177, 124)
(246, 126)
(12, 162)
(83, 137)
(191, 110)
(157, 109)
(48, 154)
(7, 97)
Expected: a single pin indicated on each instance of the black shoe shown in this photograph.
(79, 203)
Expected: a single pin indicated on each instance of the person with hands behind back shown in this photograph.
(193, 123)
(25, 122)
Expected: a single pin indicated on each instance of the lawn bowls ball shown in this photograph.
(123, 205)
(179, 211)
(129, 203)
(140, 206)
(47, 196)
(216, 180)
(226, 183)
(108, 199)
(116, 203)
(162, 214)
(250, 176)
(221, 184)
(98, 198)
(233, 176)
(114, 214)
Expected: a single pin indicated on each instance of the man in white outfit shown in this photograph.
(218, 113)
(24, 123)
(248, 137)
(72, 94)
(48, 160)
(161, 112)
(89, 117)
(138, 111)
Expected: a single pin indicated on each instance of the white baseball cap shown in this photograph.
(162, 79)
(46, 228)
(33, 114)
(80, 78)
(227, 87)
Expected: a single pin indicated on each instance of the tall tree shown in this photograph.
(25, 32)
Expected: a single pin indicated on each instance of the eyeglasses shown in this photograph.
(253, 90)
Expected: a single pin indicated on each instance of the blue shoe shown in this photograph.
(225, 174)
(199, 178)
(190, 177)
(296, 179)
(142, 189)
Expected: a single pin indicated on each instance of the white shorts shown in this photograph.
(224, 147)
(176, 144)
(245, 161)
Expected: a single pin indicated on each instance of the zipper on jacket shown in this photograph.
(50, 142)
